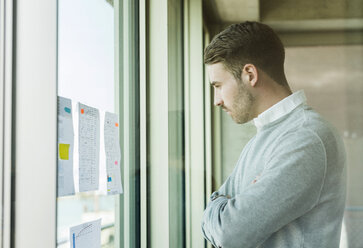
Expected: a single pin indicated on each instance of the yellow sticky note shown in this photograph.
(64, 151)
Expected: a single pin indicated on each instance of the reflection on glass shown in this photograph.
(332, 79)
(86, 75)
(324, 57)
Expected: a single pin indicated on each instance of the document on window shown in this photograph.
(86, 235)
(65, 147)
(113, 154)
(88, 147)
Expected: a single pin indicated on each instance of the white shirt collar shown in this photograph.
(280, 109)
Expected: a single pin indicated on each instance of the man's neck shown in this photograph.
(270, 98)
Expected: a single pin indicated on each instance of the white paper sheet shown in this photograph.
(88, 147)
(65, 147)
(113, 154)
(86, 235)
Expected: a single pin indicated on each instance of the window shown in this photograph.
(90, 52)
(334, 72)
(93, 69)
(86, 65)
(323, 45)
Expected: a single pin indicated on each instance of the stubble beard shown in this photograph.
(242, 105)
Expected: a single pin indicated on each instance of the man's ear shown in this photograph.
(250, 74)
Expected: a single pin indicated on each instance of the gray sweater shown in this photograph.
(288, 188)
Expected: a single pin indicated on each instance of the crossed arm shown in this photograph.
(289, 186)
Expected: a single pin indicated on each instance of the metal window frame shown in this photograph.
(6, 64)
(34, 123)
(157, 128)
(164, 89)
(197, 137)
(160, 65)
(127, 92)
(143, 125)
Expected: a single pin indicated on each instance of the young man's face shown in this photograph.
(230, 94)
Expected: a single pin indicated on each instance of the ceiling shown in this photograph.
(232, 11)
(292, 17)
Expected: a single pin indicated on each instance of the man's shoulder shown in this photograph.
(319, 126)
(315, 129)
(304, 125)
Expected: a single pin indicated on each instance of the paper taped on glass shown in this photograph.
(88, 147)
(86, 235)
(65, 147)
(113, 154)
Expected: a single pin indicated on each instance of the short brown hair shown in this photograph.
(248, 42)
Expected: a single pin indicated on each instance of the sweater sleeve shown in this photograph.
(288, 187)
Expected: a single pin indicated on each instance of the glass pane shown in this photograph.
(324, 48)
(176, 129)
(86, 74)
(331, 77)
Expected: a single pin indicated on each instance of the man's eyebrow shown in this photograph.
(214, 83)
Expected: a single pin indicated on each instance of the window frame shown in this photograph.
(35, 132)
(41, 43)
(161, 91)
(6, 60)
(127, 90)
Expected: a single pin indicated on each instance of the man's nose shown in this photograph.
(217, 99)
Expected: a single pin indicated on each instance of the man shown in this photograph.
(288, 188)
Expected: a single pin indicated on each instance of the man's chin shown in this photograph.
(240, 120)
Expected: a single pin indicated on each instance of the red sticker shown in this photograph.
(82, 111)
